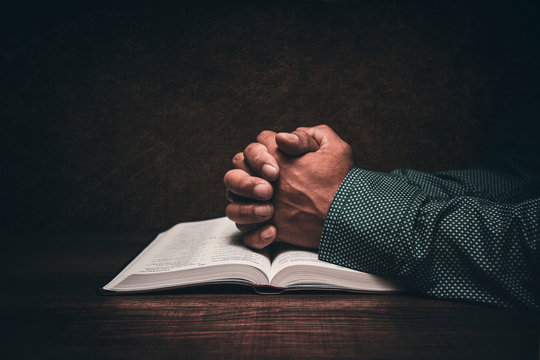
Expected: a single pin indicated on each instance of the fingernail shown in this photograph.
(290, 137)
(269, 171)
(267, 234)
(262, 210)
(261, 190)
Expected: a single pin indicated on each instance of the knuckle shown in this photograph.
(303, 136)
(245, 183)
(255, 154)
(246, 211)
(257, 159)
(227, 178)
(251, 148)
(299, 132)
(324, 127)
(346, 149)
(239, 157)
(234, 179)
(265, 134)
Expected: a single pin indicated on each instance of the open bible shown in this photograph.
(212, 252)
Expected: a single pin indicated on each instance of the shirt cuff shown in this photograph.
(370, 215)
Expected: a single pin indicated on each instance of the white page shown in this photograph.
(289, 256)
(321, 272)
(194, 245)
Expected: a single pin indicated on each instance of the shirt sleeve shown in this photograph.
(467, 235)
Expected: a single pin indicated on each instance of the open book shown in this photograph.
(212, 252)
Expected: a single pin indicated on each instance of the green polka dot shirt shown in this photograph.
(469, 235)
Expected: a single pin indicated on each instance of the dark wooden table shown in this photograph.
(50, 310)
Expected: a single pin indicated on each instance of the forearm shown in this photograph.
(453, 246)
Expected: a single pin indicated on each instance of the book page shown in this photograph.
(195, 245)
(289, 256)
(295, 267)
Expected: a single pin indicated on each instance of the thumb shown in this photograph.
(296, 143)
(323, 135)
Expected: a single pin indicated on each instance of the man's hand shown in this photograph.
(304, 185)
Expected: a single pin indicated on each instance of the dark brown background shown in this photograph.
(122, 117)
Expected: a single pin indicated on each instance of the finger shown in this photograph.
(323, 134)
(296, 143)
(261, 237)
(232, 197)
(242, 213)
(241, 183)
(239, 162)
(257, 157)
(245, 228)
(268, 139)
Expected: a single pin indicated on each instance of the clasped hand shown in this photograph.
(282, 186)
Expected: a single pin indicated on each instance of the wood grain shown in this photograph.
(50, 310)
